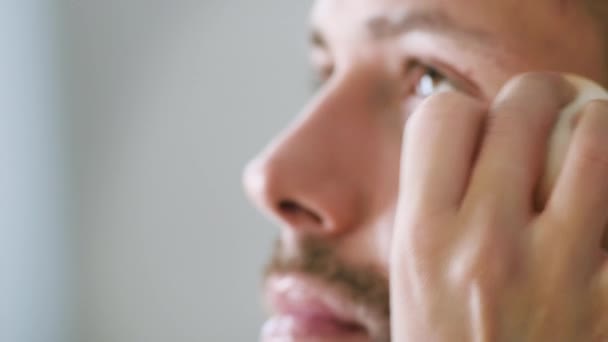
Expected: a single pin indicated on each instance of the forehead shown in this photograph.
(359, 9)
(499, 17)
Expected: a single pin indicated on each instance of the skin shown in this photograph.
(433, 197)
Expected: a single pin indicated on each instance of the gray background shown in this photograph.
(35, 275)
(169, 99)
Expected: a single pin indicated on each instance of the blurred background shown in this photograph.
(125, 127)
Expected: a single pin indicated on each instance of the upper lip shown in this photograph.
(301, 296)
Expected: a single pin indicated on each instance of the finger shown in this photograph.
(599, 306)
(439, 145)
(580, 198)
(514, 146)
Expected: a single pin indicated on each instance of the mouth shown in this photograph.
(306, 310)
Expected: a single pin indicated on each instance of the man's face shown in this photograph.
(331, 179)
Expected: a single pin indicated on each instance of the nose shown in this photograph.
(311, 177)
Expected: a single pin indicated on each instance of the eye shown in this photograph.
(431, 81)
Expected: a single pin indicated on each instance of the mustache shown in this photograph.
(363, 286)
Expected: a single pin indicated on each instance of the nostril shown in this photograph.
(293, 210)
(288, 206)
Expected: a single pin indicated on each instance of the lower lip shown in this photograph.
(309, 328)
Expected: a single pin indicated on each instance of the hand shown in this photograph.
(474, 255)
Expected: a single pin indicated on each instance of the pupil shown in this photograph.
(434, 74)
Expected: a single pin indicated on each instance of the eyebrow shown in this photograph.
(388, 26)
(382, 26)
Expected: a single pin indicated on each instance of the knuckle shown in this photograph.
(592, 139)
(536, 80)
(486, 267)
(501, 124)
(484, 257)
(535, 91)
(418, 234)
(598, 106)
(592, 151)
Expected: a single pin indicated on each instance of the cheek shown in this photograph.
(371, 147)
(381, 179)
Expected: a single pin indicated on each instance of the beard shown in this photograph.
(364, 287)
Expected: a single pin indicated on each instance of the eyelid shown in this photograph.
(457, 78)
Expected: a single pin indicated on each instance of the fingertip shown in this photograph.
(545, 86)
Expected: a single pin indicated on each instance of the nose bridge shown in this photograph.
(302, 177)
